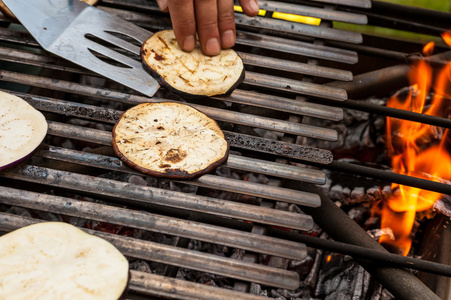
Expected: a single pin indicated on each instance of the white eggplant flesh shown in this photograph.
(55, 260)
(191, 74)
(169, 140)
(22, 129)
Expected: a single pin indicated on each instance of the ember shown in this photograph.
(416, 149)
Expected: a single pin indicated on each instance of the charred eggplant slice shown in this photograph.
(191, 74)
(169, 140)
(22, 129)
(55, 260)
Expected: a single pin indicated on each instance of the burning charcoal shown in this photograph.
(256, 289)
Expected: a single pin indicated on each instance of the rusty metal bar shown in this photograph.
(284, 104)
(296, 47)
(238, 96)
(295, 86)
(284, 149)
(234, 161)
(356, 3)
(310, 11)
(152, 222)
(298, 29)
(155, 285)
(245, 38)
(181, 257)
(209, 181)
(294, 66)
(400, 282)
(155, 196)
(215, 113)
(47, 61)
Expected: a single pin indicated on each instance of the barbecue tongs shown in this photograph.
(62, 27)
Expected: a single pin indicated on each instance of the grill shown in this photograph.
(294, 72)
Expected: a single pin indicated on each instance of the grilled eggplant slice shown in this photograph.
(191, 75)
(169, 140)
(55, 260)
(22, 129)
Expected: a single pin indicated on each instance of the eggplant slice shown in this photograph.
(22, 129)
(55, 260)
(169, 140)
(190, 74)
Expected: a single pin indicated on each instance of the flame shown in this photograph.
(417, 150)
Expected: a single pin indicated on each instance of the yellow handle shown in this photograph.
(286, 16)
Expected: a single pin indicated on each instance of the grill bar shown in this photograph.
(209, 181)
(146, 195)
(234, 161)
(296, 47)
(295, 86)
(218, 114)
(251, 39)
(104, 138)
(298, 29)
(182, 257)
(356, 3)
(160, 286)
(152, 222)
(308, 11)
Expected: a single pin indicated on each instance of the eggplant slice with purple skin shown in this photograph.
(169, 140)
(192, 75)
(22, 129)
(55, 260)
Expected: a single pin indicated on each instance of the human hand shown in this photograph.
(213, 20)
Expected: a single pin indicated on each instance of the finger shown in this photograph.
(163, 5)
(183, 22)
(226, 19)
(250, 7)
(207, 26)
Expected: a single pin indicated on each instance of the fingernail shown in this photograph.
(189, 42)
(254, 6)
(162, 4)
(212, 47)
(228, 39)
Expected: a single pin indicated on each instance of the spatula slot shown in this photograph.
(112, 46)
(108, 60)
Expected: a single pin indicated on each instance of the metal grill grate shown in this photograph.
(281, 59)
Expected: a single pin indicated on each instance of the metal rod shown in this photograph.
(171, 288)
(384, 258)
(181, 257)
(388, 176)
(300, 29)
(295, 86)
(215, 113)
(294, 66)
(241, 141)
(146, 195)
(296, 47)
(208, 180)
(234, 161)
(399, 282)
(153, 222)
(309, 11)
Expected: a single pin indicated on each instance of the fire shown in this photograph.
(417, 150)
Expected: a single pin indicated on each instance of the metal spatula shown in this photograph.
(81, 34)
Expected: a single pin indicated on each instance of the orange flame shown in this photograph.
(416, 150)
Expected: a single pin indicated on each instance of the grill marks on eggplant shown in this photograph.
(22, 129)
(191, 74)
(169, 140)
